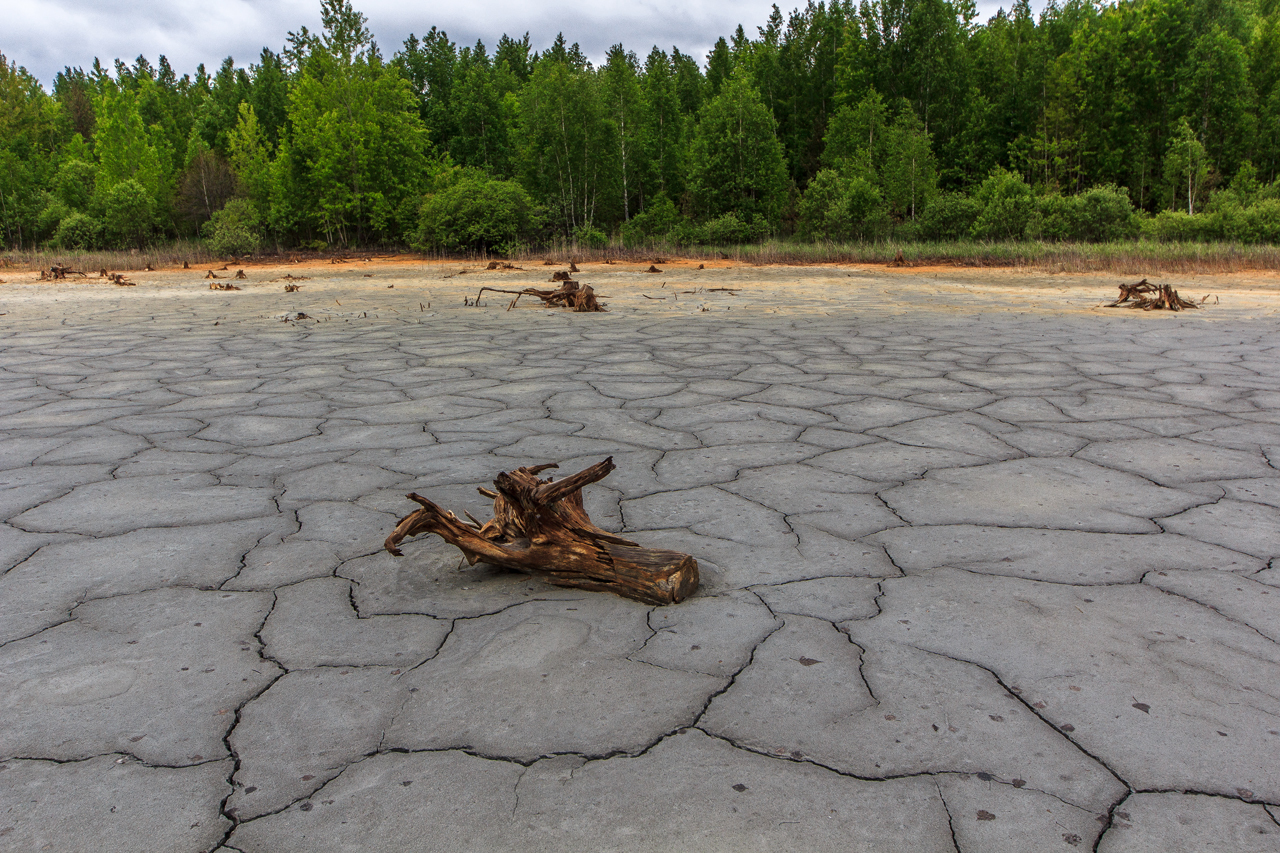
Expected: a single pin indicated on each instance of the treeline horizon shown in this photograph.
(889, 119)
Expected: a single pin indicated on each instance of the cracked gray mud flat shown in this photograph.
(995, 580)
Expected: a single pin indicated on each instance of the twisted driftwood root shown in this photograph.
(1165, 297)
(539, 527)
(571, 295)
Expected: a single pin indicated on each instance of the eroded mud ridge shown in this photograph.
(970, 581)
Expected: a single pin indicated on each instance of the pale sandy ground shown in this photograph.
(404, 287)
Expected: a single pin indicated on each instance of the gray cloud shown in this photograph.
(46, 35)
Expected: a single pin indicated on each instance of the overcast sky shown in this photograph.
(45, 35)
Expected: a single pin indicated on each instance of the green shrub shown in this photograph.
(1261, 222)
(1007, 206)
(127, 215)
(1172, 226)
(590, 237)
(950, 216)
(1058, 215)
(824, 208)
(73, 183)
(235, 229)
(1105, 214)
(726, 230)
(76, 231)
(1098, 215)
(658, 219)
(841, 207)
(476, 213)
(52, 212)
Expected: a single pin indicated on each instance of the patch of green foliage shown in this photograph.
(478, 213)
(235, 229)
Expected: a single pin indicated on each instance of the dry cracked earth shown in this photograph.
(975, 577)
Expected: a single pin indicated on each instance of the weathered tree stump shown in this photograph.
(571, 295)
(1140, 295)
(58, 272)
(539, 527)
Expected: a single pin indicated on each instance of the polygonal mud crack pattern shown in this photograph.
(966, 584)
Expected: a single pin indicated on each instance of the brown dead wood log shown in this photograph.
(186, 266)
(573, 267)
(539, 527)
(561, 275)
(571, 295)
(213, 285)
(1151, 297)
(240, 274)
(652, 268)
(898, 260)
(210, 274)
(58, 272)
(292, 288)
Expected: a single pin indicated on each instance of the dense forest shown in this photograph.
(902, 119)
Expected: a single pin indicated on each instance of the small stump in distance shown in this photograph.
(539, 527)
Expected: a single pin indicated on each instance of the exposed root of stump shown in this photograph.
(539, 527)
(652, 268)
(502, 265)
(571, 295)
(561, 275)
(1151, 297)
(898, 260)
(240, 275)
(292, 288)
(213, 285)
